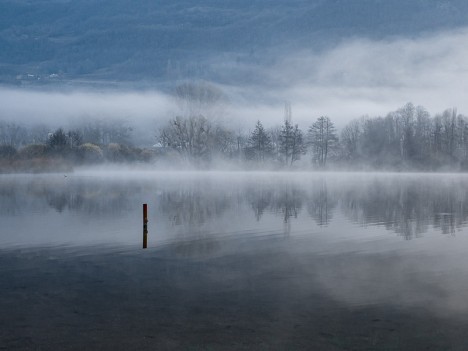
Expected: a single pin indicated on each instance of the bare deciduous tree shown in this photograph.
(322, 137)
(191, 137)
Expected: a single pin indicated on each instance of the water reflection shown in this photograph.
(287, 201)
(195, 249)
(89, 197)
(226, 269)
(321, 203)
(193, 205)
(260, 199)
(406, 205)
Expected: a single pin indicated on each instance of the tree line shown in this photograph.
(37, 150)
(408, 138)
(197, 139)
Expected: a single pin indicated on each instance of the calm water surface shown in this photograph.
(234, 261)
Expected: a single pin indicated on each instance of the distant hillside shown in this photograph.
(156, 40)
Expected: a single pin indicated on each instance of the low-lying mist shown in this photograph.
(356, 78)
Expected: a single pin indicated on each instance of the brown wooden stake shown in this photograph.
(145, 226)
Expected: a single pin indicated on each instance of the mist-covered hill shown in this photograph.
(147, 40)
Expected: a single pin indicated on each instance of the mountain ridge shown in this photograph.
(49, 41)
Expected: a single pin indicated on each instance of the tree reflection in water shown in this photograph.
(287, 201)
(260, 198)
(320, 203)
(88, 197)
(407, 205)
(193, 206)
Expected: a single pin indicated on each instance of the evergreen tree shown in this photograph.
(58, 140)
(259, 146)
(291, 143)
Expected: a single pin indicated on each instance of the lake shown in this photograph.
(235, 261)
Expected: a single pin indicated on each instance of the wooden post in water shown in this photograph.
(145, 226)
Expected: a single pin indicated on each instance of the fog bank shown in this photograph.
(356, 77)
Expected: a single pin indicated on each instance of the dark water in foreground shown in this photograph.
(235, 261)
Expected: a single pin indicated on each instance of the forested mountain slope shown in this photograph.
(156, 40)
